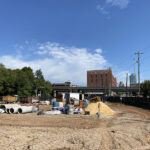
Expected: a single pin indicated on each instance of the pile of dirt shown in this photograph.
(93, 108)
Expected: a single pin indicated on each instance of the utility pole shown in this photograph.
(138, 61)
(126, 83)
(126, 80)
(110, 81)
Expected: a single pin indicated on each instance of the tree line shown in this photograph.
(23, 82)
(145, 87)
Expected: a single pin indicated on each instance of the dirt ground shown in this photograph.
(128, 130)
(45, 107)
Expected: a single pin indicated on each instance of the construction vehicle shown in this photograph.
(95, 99)
(9, 99)
(92, 100)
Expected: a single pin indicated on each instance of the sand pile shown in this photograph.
(93, 108)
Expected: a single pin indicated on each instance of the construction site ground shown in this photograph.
(129, 129)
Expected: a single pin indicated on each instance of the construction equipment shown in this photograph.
(74, 101)
(9, 99)
(95, 99)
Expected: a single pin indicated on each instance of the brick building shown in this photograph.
(101, 78)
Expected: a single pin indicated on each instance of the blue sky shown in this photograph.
(65, 38)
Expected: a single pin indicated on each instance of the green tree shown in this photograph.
(47, 90)
(145, 87)
(29, 78)
(2, 66)
(39, 81)
(41, 85)
(2, 78)
(23, 82)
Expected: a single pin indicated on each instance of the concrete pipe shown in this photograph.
(6, 107)
(2, 110)
(7, 110)
(27, 109)
(3, 107)
(14, 110)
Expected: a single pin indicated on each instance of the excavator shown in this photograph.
(92, 100)
(95, 99)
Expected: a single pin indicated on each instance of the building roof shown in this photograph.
(99, 70)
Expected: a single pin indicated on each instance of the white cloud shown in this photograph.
(102, 10)
(41, 52)
(99, 50)
(118, 3)
(105, 8)
(60, 63)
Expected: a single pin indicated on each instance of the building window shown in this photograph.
(105, 80)
(102, 82)
(92, 82)
(96, 82)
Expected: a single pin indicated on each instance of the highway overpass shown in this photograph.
(93, 89)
